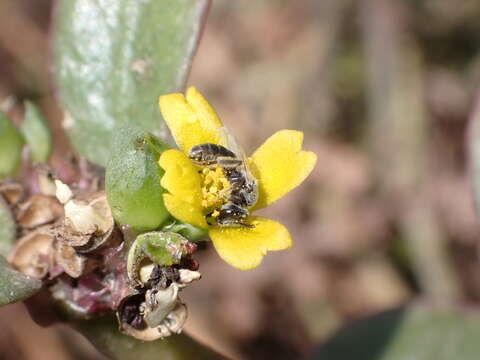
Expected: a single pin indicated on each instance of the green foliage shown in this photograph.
(11, 144)
(7, 228)
(414, 332)
(15, 286)
(113, 60)
(132, 180)
(36, 133)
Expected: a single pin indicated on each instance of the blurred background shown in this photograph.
(383, 90)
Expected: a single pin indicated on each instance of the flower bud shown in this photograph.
(133, 180)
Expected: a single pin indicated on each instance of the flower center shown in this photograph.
(215, 187)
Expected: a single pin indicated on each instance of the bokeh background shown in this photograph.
(383, 90)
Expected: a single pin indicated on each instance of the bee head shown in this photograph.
(196, 154)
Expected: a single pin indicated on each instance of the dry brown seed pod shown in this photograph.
(92, 215)
(62, 192)
(39, 210)
(96, 241)
(69, 260)
(147, 334)
(45, 179)
(12, 192)
(68, 236)
(131, 319)
(88, 223)
(158, 304)
(32, 254)
(176, 319)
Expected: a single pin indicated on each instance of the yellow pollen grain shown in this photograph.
(214, 186)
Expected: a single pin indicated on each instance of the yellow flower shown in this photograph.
(279, 165)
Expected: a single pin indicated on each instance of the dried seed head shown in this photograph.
(129, 312)
(89, 216)
(68, 236)
(12, 192)
(69, 260)
(82, 217)
(158, 304)
(33, 253)
(152, 315)
(45, 178)
(63, 192)
(174, 321)
(96, 241)
(88, 223)
(39, 210)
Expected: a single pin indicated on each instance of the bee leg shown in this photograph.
(250, 226)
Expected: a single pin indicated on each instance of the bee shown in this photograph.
(243, 191)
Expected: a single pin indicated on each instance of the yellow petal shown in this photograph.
(182, 181)
(191, 120)
(243, 247)
(184, 211)
(280, 165)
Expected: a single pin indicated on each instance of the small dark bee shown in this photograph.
(243, 186)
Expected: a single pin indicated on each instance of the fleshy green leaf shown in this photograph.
(113, 60)
(104, 335)
(7, 228)
(15, 286)
(36, 134)
(11, 144)
(132, 180)
(415, 332)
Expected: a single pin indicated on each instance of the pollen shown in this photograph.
(215, 186)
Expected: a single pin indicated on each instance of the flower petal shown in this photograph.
(243, 247)
(182, 181)
(191, 120)
(184, 211)
(280, 165)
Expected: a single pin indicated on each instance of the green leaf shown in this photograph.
(104, 335)
(113, 60)
(132, 180)
(36, 134)
(411, 333)
(11, 144)
(14, 286)
(7, 228)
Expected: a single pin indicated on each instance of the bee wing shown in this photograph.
(232, 144)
